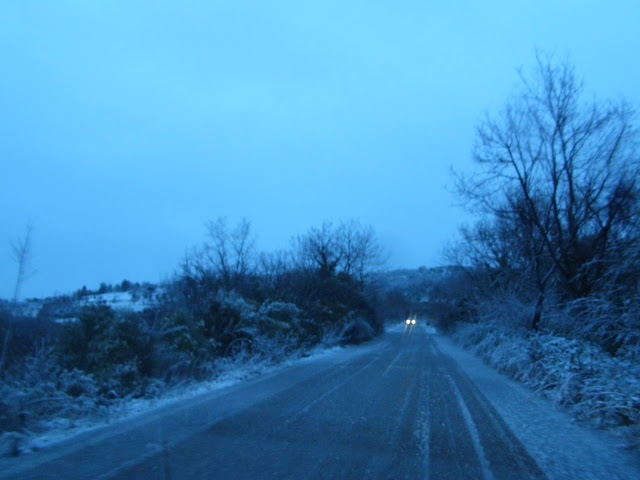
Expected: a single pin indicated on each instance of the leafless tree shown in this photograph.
(229, 252)
(360, 250)
(22, 252)
(319, 249)
(274, 265)
(564, 173)
(350, 249)
(225, 260)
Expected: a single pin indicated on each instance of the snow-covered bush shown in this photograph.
(612, 324)
(30, 403)
(331, 336)
(109, 345)
(574, 373)
(356, 331)
(505, 308)
(279, 318)
(76, 383)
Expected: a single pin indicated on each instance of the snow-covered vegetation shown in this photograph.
(576, 374)
(547, 288)
(85, 356)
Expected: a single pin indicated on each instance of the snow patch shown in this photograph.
(119, 301)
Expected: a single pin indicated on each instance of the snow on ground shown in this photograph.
(402, 327)
(135, 300)
(233, 372)
(119, 301)
(561, 447)
(27, 308)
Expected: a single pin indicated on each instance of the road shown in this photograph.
(398, 408)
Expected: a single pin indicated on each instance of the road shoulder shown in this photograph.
(562, 448)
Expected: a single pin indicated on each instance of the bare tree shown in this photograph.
(564, 173)
(350, 249)
(319, 249)
(360, 249)
(274, 265)
(229, 252)
(22, 252)
(226, 259)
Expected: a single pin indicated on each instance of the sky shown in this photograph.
(125, 125)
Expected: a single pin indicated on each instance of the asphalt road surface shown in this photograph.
(398, 408)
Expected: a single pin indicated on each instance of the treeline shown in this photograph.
(227, 302)
(144, 289)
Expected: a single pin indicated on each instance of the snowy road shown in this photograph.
(397, 408)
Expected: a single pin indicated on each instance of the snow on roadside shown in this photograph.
(402, 327)
(580, 376)
(561, 447)
(232, 372)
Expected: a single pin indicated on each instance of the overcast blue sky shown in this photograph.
(127, 124)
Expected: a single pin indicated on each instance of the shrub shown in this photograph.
(614, 325)
(574, 373)
(279, 318)
(356, 332)
(111, 346)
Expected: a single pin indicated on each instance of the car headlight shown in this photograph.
(408, 321)
(413, 322)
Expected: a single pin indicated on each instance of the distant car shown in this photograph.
(411, 321)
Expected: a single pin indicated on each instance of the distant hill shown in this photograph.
(416, 283)
(65, 308)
